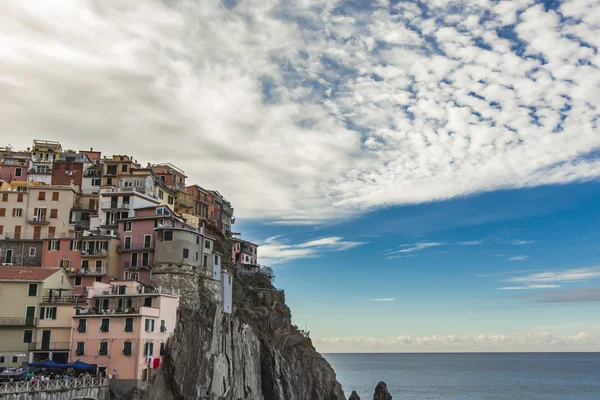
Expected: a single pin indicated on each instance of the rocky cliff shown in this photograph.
(255, 353)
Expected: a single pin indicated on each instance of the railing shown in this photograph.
(27, 321)
(63, 300)
(88, 271)
(51, 346)
(38, 220)
(95, 311)
(140, 246)
(111, 206)
(31, 236)
(53, 385)
(94, 253)
(45, 171)
(92, 173)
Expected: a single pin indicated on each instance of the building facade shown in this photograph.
(125, 327)
(244, 252)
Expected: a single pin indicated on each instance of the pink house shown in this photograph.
(137, 238)
(244, 252)
(124, 329)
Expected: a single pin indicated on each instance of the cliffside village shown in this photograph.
(80, 236)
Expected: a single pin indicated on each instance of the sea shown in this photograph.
(469, 376)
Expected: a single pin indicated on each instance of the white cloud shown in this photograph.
(518, 258)
(415, 247)
(529, 287)
(384, 299)
(471, 243)
(530, 341)
(304, 111)
(274, 250)
(570, 275)
(522, 242)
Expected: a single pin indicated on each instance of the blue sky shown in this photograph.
(482, 248)
(360, 142)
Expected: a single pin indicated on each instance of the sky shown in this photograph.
(422, 175)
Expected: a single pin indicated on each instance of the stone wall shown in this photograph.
(21, 251)
(95, 393)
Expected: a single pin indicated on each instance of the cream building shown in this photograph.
(35, 315)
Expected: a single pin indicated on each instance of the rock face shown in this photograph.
(354, 396)
(381, 392)
(255, 353)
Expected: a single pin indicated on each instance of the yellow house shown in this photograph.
(45, 151)
(35, 315)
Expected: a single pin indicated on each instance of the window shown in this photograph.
(163, 325)
(186, 253)
(4, 196)
(134, 259)
(85, 264)
(82, 326)
(27, 336)
(197, 256)
(168, 236)
(161, 194)
(54, 213)
(197, 239)
(54, 245)
(77, 281)
(32, 251)
(48, 313)
(33, 289)
(98, 279)
(1, 229)
(126, 199)
(22, 189)
(135, 276)
(207, 244)
(2, 359)
(128, 226)
(128, 324)
(109, 181)
(111, 170)
(51, 232)
(96, 182)
(147, 301)
(103, 349)
(205, 263)
(105, 325)
(8, 256)
(17, 212)
(18, 171)
(162, 348)
(145, 259)
(2, 212)
(124, 168)
(147, 241)
(15, 359)
(55, 196)
(170, 199)
(127, 243)
(80, 349)
(149, 349)
(99, 266)
(42, 196)
(149, 325)
(127, 348)
(20, 198)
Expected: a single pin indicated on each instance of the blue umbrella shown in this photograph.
(81, 365)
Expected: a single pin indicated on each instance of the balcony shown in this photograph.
(89, 271)
(18, 322)
(141, 246)
(49, 346)
(139, 266)
(40, 171)
(92, 173)
(94, 253)
(64, 300)
(38, 220)
(113, 206)
(95, 311)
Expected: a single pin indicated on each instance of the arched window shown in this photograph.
(135, 276)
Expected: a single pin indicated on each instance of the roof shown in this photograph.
(26, 273)
(243, 241)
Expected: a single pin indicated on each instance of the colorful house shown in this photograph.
(124, 328)
(244, 253)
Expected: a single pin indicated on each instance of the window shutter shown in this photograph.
(53, 312)
(147, 325)
(42, 312)
(58, 245)
(49, 244)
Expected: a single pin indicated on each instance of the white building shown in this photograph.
(116, 204)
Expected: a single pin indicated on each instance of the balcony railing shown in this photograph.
(30, 236)
(95, 311)
(138, 246)
(64, 300)
(112, 206)
(88, 271)
(56, 385)
(27, 321)
(49, 346)
(94, 253)
(39, 220)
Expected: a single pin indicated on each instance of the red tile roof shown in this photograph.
(26, 273)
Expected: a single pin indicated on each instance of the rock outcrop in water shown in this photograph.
(381, 392)
(354, 396)
(255, 353)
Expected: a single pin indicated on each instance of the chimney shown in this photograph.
(91, 149)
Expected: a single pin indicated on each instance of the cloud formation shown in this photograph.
(569, 275)
(471, 243)
(518, 258)
(528, 287)
(311, 110)
(522, 242)
(275, 250)
(383, 299)
(538, 341)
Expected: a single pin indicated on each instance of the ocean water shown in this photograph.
(466, 376)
